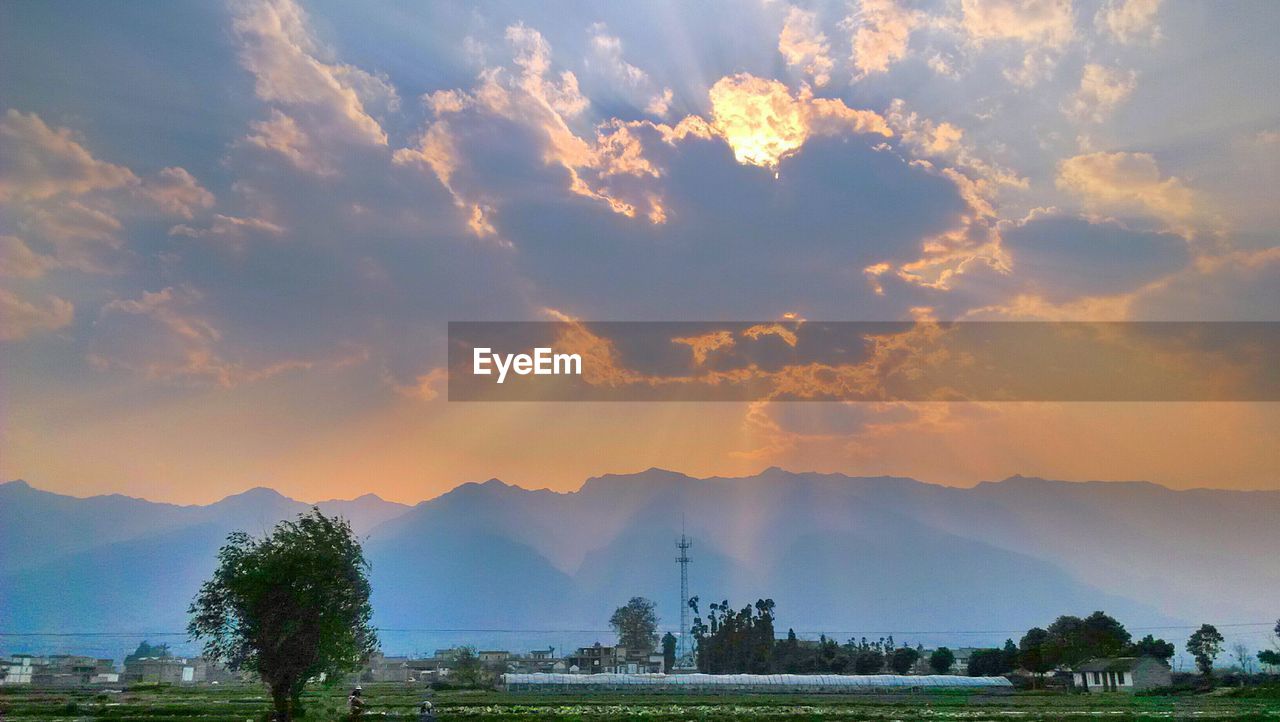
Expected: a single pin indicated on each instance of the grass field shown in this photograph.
(397, 702)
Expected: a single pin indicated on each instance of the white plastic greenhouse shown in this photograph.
(811, 683)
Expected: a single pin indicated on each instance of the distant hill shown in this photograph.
(839, 554)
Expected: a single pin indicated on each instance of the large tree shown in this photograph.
(1073, 640)
(903, 659)
(1032, 652)
(290, 606)
(1149, 646)
(1204, 646)
(989, 662)
(636, 624)
(941, 660)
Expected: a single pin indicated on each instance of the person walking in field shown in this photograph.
(426, 712)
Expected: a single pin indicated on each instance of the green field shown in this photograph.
(397, 702)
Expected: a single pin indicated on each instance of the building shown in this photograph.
(58, 670)
(490, 657)
(17, 669)
(173, 670)
(598, 659)
(537, 661)
(1121, 674)
(381, 668)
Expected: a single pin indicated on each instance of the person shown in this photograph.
(426, 712)
(355, 703)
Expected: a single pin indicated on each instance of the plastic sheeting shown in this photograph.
(745, 682)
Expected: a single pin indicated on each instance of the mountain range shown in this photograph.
(842, 555)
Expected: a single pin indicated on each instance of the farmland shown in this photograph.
(397, 702)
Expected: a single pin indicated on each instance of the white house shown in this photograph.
(1121, 674)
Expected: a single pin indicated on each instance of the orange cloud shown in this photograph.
(705, 344)
(1127, 182)
(38, 162)
(883, 28)
(804, 46)
(763, 122)
(20, 318)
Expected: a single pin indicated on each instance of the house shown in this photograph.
(17, 669)
(1121, 674)
(381, 668)
(493, 656)
(596, 659)
(538, 660)
(173, 670)
(66, 670)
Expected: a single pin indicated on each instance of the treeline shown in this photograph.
(730, 640)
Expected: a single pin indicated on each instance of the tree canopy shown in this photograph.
(1204, 646)
(942, 660)
(636, 624)
(290, 606)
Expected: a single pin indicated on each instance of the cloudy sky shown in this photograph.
(231, 235)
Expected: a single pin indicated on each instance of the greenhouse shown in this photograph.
(806, 683)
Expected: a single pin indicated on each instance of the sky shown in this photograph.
(232, 235)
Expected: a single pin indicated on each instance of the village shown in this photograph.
(444, 666)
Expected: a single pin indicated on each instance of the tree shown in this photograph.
(146, 649)
(1271, 657)
(731, 641)
(988, 663)
(1031, 652)
(903, 659)
(290, 606)
(668, 652)
(1104, 636)
(1244, 660)
(467, 670)
(941, 660)
(636, 624)
(1204, 646)
(1010, 653)
(1149, 646)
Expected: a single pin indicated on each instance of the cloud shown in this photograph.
(178, 193)
(1043, 28)
(425, 387)
(282, 134)
(38, 162)
(528, 95)
(232, 227)
(278, 48)
(883, 28)
(922, 134)
(605, 57)
(1039, 23)
(163, 336)
(704, 344)
(17, 260)
(1127, 183)
(1101, 90)
(84, 235)
(763, 122)
(660, 104)
(804, 46)
(1061, 258)
(20, 318)
(1129, 21)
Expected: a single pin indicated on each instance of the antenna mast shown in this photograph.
(683, 652)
